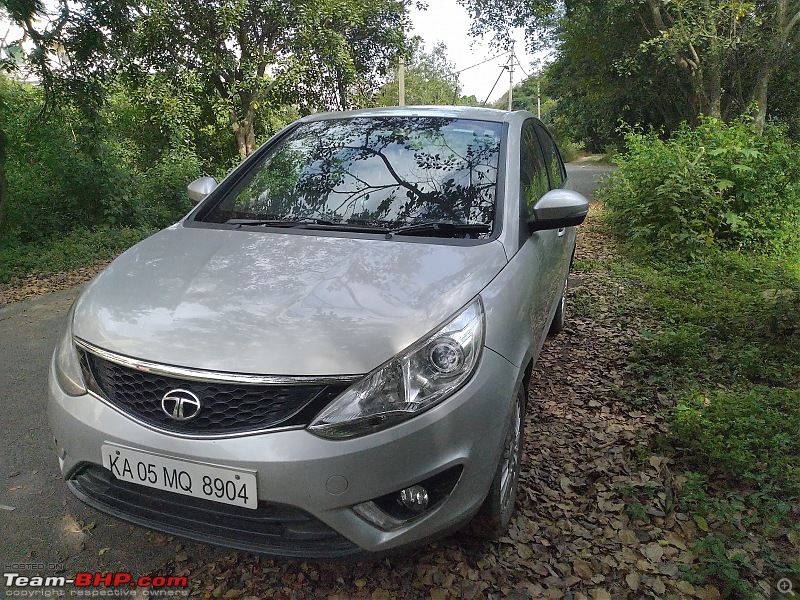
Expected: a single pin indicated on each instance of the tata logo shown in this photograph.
(181, 405)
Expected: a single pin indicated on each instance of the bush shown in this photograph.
(76, 249)
(569, 151)
(70, 171)
(720, 185)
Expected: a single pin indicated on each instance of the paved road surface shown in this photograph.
(48, 525)
(586, 176)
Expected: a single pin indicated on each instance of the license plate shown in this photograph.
(199, 480)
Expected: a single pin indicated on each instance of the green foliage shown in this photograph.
(82, 187)
(118, 168)
(569, 150)
(251, 56)
(785, 95)
(718, 185)
(64, 253)
(656, 62)
(727, 524)
(600, 76)
(751, 436)
(539, 17)
(717, 563)
(430, 79)
(726, 320)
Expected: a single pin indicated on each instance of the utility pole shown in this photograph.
(539, 95)
(401, 81)
(511, 76)
(401, 64)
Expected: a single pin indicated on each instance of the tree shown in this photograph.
(430, 79)
(779, 46)
(20, 13)
(785, 94)
(601, 76)
(540, 19)
(705, 37)
(52, 30)
(728, 51)
(529, 95)
(256, 52)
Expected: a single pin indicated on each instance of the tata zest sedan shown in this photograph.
(329, 354)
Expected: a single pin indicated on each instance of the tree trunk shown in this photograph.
(712, 84)
(760, 97)
(243, 129)
(341, 89)
(245, 138)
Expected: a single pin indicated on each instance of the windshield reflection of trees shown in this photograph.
(383, 171)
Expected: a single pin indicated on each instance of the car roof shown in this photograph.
(460, 112)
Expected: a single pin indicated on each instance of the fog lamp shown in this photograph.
(414, 498)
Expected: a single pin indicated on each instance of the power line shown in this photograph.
(494, 86)
(480, 63)
(519, 63)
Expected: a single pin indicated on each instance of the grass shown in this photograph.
(65, 253)
(729, 320)
(720, 340)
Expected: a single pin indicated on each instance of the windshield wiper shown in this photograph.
(429, 228)
(323, 224)
(265, 222)
(446, 228)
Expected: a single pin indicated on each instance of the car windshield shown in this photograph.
(376, 171)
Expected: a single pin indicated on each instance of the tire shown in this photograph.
(495, 514)
(557, 324)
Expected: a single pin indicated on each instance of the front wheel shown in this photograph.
(498, 508)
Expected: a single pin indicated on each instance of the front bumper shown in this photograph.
(295, 469)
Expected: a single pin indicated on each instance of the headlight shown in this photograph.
(413, 381)
(67, 363)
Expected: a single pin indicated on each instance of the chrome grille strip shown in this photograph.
(213, 376)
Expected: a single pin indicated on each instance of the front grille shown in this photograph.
(275, 529)
(227, 408)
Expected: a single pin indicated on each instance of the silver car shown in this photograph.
(329, 354)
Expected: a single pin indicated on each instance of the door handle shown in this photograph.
(562, 231)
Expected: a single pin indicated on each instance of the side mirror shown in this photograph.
(200, 188)
(557, 209)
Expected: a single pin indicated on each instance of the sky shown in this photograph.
(447, 21)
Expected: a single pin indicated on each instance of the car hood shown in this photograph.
(278, 303)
